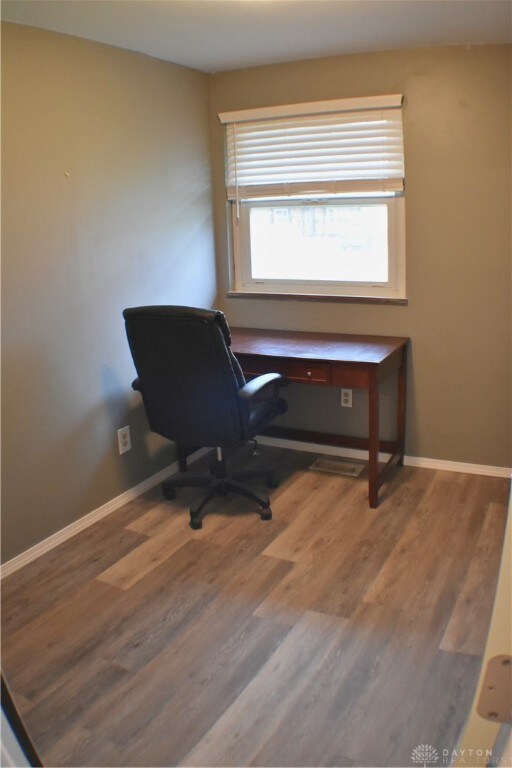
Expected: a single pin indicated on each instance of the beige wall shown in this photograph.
(458, 215)
(106, 203)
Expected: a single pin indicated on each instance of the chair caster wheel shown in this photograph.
(168, 493)
(272, 480)
(196, 524)
(266, 514)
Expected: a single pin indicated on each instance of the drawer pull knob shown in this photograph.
(309, 374)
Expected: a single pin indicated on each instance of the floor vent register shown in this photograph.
(337, 466)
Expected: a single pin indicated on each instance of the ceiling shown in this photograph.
(217, 35)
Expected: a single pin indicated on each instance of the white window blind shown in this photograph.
(323, 148)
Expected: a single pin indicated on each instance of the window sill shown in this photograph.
(316, 297)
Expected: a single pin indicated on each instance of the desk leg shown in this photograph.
(400, 425)
(373, 441)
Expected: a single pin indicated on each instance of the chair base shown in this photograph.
(219, 484)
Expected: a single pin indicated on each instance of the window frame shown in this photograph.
(350, 150)
(242, 282)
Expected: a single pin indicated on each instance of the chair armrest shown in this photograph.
(260, 402)
(257, 385)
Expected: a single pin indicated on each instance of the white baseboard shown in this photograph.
(459, 466)
(351, 453)
(411, 461)
(326, 450)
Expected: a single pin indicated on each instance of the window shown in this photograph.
(316, 198)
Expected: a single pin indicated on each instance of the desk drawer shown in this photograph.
(315, 373)
(304, 372)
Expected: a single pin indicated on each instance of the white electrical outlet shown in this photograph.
(346, 398)
(124, 440)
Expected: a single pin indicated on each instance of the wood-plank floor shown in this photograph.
(333, 635)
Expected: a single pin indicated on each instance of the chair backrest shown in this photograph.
(188, 376)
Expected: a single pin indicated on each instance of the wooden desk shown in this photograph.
(335, 360)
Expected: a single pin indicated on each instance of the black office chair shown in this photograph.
(195, 394)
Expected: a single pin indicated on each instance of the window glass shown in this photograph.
(336, 243)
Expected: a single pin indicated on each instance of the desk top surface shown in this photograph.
(332, 347)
